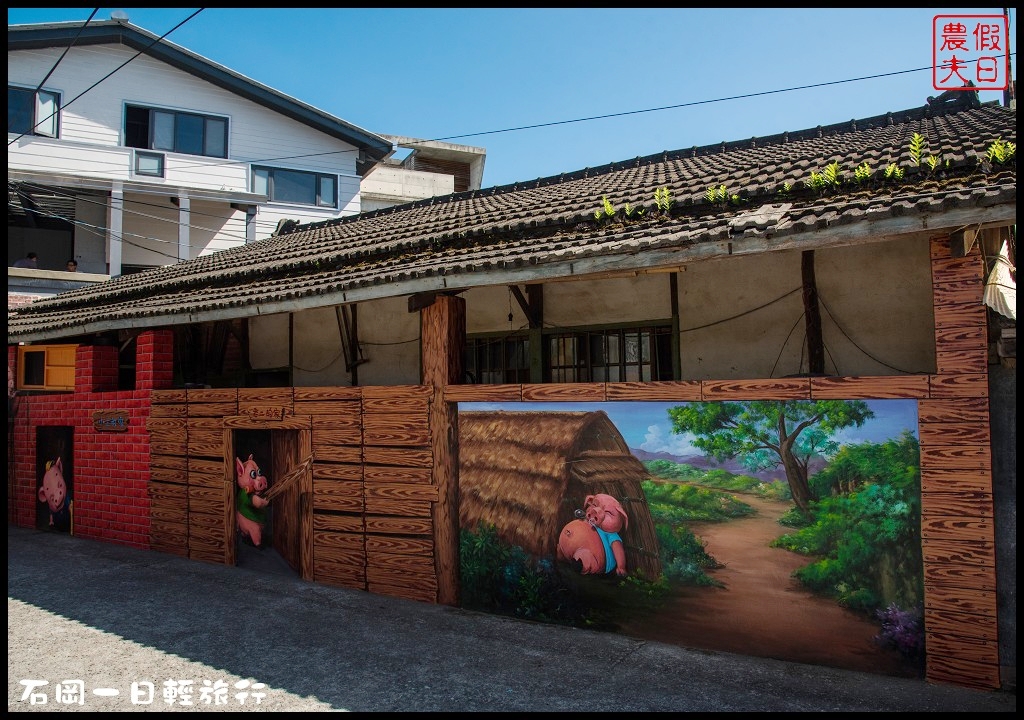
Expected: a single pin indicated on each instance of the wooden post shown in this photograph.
(443, 333)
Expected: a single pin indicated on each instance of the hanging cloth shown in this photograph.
(1001, 287)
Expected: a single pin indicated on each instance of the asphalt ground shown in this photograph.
(94, 626)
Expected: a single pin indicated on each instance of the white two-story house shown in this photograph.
(127, 152)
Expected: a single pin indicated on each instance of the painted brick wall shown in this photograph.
(111, 469)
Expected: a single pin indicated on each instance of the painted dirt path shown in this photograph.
(762, 610)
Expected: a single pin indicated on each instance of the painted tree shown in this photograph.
(767, 434)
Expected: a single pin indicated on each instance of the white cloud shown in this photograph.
(658, 440)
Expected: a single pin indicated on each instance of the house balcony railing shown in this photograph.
(53, 160)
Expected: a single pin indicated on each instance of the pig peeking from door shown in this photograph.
(250, 505)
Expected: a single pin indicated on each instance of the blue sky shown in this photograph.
(473, 76)
(645, 425)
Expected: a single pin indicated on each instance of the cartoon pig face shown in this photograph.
(54, 489)
(605, 512)
(250, 477)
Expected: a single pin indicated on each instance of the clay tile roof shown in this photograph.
(546, 228)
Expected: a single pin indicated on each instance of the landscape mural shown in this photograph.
(784, 529)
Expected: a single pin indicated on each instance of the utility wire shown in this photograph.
(91, 87)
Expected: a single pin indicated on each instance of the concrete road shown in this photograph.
(99, 627)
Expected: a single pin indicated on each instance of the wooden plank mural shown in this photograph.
(373, 514)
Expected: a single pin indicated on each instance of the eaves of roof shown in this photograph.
(547, 230)
(43, 35)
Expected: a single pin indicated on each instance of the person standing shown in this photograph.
(29, 261)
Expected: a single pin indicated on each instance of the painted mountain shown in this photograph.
(709, 463)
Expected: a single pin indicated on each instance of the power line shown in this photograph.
(91, 87)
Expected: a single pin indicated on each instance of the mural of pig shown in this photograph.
(54, 492)
(593, 539)
(250, 506)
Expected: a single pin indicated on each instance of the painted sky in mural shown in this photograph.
(646, 425)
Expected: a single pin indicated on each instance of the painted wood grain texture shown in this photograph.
(206, 449)
(316, 408)
(265, 397)
(213, 410)
(205, 504)
(336, 471)
(950, 269)
(328, 573)
(679, 391)
(162, 447)
(168, 397)
(389, 506)
(401, 545)
(955, 527)
(206, 520)
(314, 394)
(159, 475)
(332, 437)
(338, 523)
(950, 360)
(402, 457)
(959, 315)
(253, 422)
(204, 496)
(212, 395)
(421, 592)
(950, 671)
(948, 624)
(176, 437)
(964, 577)
(962, 288)
(961, 337)
(395, 405)
(207, 466)
(206, 539)
(338, 495)
(168, 411)
(565, 392)
(165, 424)
(974, 649)
(169, 462)
(396, 430)
(794, 389)
(379, 492)
(203, 554)
(959, 410)
(326, 553)
(338, 421)
(381, 564)
(854, 388)
(347, 542)
(166, 491)
(959, 457)
(483, 393)
(338, 453)
(169, 509)
(390, 473)
(401, 393)
(398, 525)
(967, 504)
(957, 600)
(206, 479)
(974, 434)
(958, 551)
(955, 480)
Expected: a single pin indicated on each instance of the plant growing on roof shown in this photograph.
(632, 211)
(862, 173)
(1001, 152)
(663, 199)
(716, 194)
(893, 172)
(916, 146)
(932, 162)
(607, 209)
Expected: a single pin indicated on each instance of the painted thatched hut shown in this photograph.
(527, 473)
